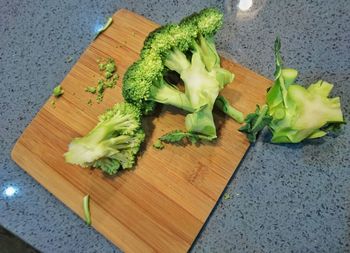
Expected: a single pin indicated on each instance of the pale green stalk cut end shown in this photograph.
(86, 207)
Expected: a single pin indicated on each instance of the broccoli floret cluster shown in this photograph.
(114, 142)
(187, 48)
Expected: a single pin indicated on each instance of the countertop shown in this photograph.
(284, 198)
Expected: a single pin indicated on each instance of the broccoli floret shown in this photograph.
(187, 48)
(294, 113)
(113, 144)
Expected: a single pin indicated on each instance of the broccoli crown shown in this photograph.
(142, 78)
(113, 143)
(188, 49)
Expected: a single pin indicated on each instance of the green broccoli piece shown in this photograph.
(187, 48)
(57, 91)
(158, 144)
(90, 89)
(294, 113)
(224, 105)
(178, 136)
(255, 122)
(114, 142)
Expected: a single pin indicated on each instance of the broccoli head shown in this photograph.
(113, 144)
(187, 48)
(294, 113)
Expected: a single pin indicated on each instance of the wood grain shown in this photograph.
(161, 205)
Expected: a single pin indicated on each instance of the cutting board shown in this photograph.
(161, 204)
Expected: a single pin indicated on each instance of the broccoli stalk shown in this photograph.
(224, 105)
(188, 49)
(112, 144)
(294, 113)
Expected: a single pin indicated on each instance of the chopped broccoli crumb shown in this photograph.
(69, 59)
(108, 75)
(90, 89)
(53, 103)
(158, 144)
(109, 81)
(58, 91)
(99, 98)
(89, 102)
(101, 66)
(227, 196)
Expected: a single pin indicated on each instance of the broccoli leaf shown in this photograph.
(178, 136)
(255, 122)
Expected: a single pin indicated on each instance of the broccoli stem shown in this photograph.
(264, 109)
(224, 105)
(207, 50)
(177, 61)
(202, 122)
(86, 207)
(167, 94)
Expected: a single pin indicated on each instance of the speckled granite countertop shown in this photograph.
(285, 198)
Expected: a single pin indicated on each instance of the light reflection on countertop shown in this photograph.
(10, 191)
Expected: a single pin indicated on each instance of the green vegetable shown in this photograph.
(224, 105)
(90, 89)
(158, 144)
(294, 113)
(113, 144)
(188, 49)
(58, 91)
(86, 207)
(110, 80)
(104, 28)
(69, 58)
(227, 196)
(255, 122)
(178, 136)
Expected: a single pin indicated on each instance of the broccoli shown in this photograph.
(294, 113)
(113, 144)
(57, 91)
(187, 48)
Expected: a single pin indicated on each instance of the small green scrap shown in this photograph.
(179, 137)
(53, 103)
(108, 75)
(86, 207)
(101, 66)
(158, 144)
(89, 102)
(99, 98)
(227, 196)
(100, 88)
(58, 91)
(109, 81)
(69, 59)
(110, 66)
(90, 89)
(104, 28)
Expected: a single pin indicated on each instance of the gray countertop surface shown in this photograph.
(284, 198)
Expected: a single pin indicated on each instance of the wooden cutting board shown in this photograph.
(162, 204)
